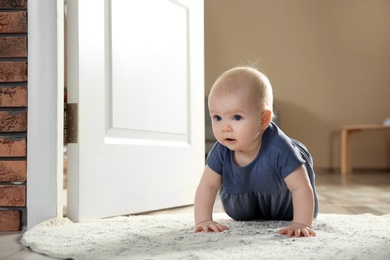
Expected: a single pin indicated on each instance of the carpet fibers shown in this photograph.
(171, 237)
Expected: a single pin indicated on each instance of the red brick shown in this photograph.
(13, 71)
(12, 146)
(13, 171)
(13, 121)
(13, 4)
(12, 196)
(13, 22)
(13, 96)
(9, 220)
(13, 47)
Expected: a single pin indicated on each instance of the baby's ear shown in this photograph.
(266, 117)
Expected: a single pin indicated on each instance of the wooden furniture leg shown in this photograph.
(345, 149)
(345, 153)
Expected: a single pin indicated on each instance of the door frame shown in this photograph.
(45, 110)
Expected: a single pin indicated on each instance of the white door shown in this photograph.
(135, 69)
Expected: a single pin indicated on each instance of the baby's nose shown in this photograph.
(226, 127)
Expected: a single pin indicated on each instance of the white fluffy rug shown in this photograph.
(170, 237)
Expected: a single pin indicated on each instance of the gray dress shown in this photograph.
(257, 191)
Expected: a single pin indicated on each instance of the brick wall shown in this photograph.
(13, 114)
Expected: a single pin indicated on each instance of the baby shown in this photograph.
(260, 172)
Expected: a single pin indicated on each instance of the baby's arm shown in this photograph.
(204, 202)
(303, 202)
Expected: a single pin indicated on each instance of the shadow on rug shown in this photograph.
(171, 237)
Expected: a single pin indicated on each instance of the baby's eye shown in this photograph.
(218, 118)
(237, 117)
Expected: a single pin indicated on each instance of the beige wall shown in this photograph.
(328, 62)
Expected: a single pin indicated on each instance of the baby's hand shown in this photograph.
(297, 230)
(210, 226)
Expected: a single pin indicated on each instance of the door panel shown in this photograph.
(135, 68)
(157, 76)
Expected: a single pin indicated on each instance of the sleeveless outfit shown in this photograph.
(257, 191)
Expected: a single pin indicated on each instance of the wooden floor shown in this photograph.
(357, 193)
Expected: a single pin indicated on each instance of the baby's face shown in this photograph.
(236, 120)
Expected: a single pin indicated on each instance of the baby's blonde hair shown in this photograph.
(233, 80)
